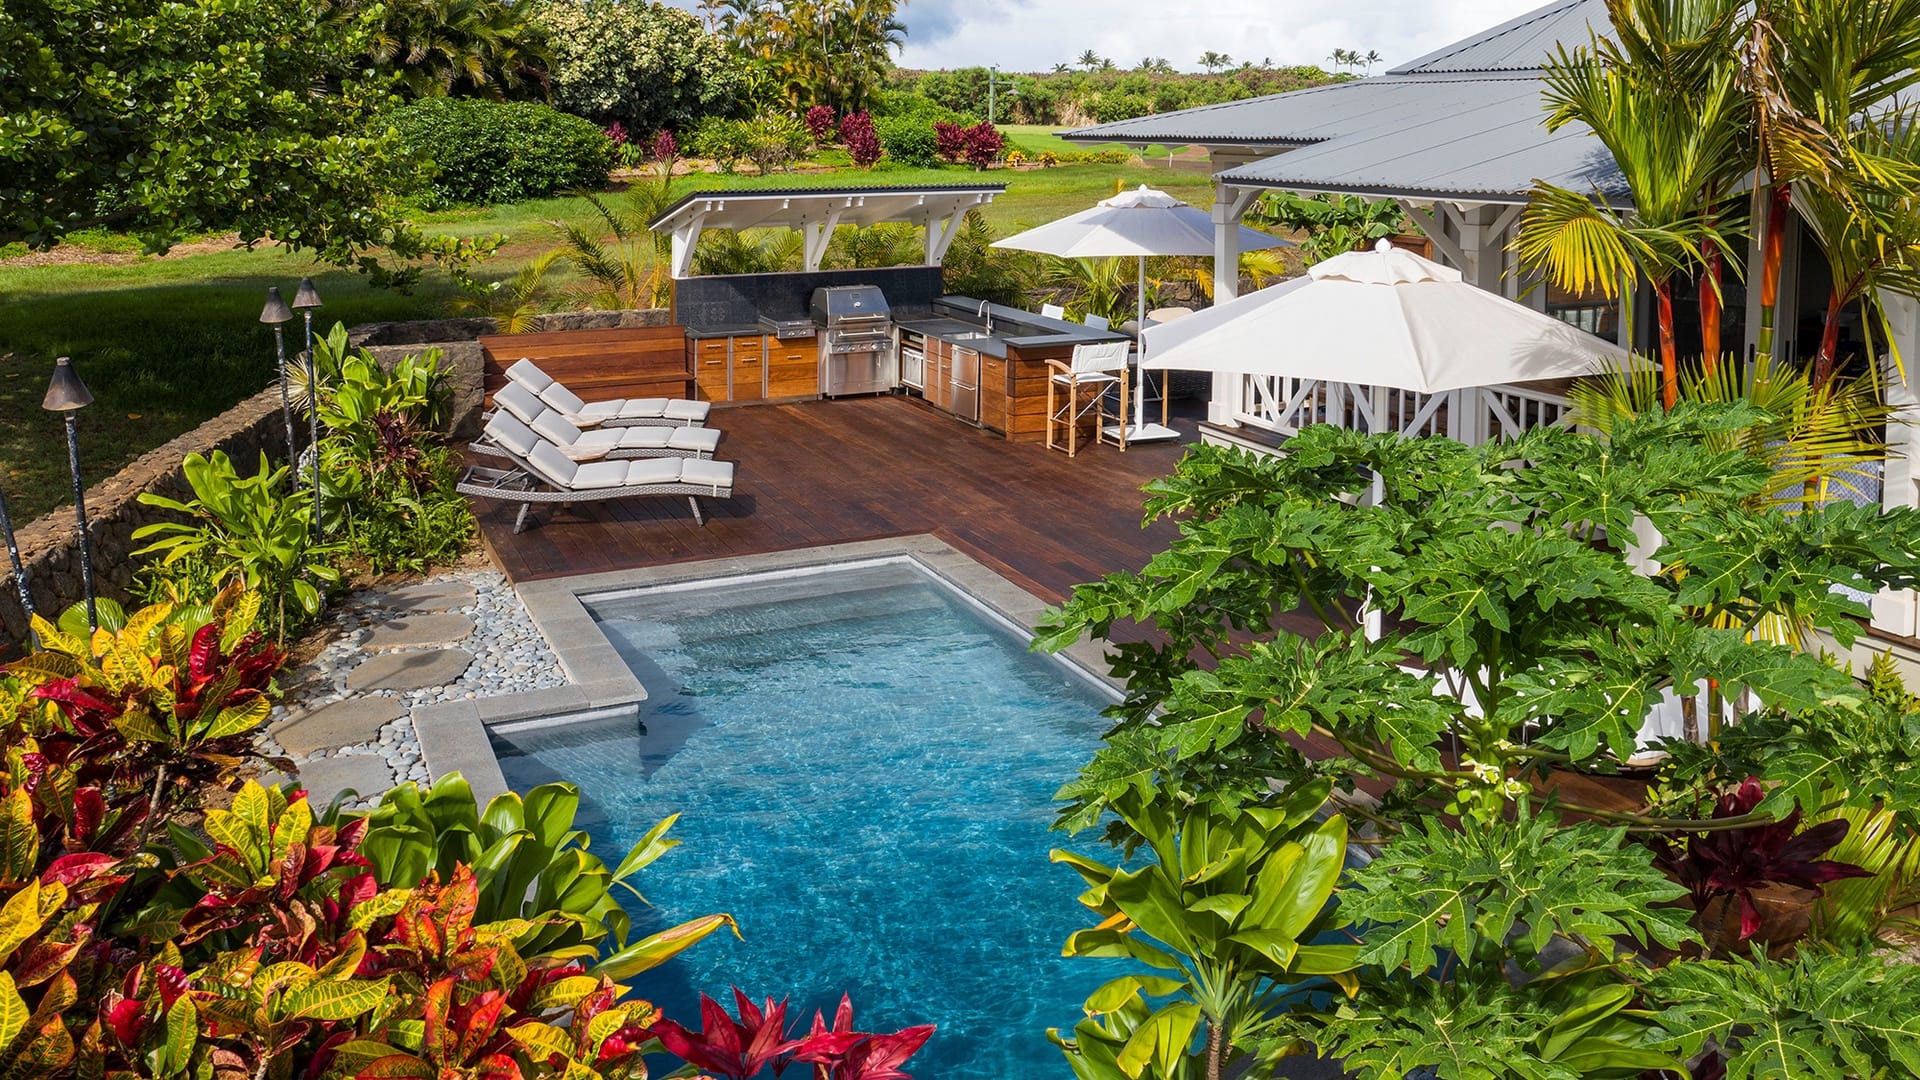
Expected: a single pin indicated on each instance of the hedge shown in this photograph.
(500, 152)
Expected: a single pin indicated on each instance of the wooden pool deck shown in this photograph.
(827, 472)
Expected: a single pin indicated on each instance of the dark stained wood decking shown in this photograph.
(827, 472)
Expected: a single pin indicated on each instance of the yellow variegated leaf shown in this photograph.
(19, 838)
(331, 1000)
(239, 719)
(39, 667)
(564, 993)
(379, 906)
(140, 725)
(26, 912)
(291, 828)
(13, 1012)
(542, 1039)
(51, 637)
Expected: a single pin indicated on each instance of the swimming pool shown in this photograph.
(863, 763)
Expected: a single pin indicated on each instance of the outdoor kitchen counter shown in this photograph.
(955, 317)
(725, 330)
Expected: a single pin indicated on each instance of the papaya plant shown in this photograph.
(1230, 914)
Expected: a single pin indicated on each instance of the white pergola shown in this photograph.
(816, 212)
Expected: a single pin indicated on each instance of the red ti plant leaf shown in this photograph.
(845, 1054)
(1735, 862)
(735, 1049)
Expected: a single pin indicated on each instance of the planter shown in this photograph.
(1786, 915)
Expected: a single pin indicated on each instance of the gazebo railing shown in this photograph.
(1284, 404)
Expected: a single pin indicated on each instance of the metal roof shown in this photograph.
(797, 206)
(1463, 122)
(1478, 139)
(1519, 44)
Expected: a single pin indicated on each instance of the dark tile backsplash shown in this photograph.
(742, 298)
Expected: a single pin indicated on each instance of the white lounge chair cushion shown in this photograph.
(559, 397)
(520, 401)
(698, 440)
(555, 468)
(556, 429)
(610, 438)
(691, 411)
(577, 452)
(511, 434)
(600, 474)
(643, 407)
(661, 470)
(717, 475)
(605, 409)
(528, 374)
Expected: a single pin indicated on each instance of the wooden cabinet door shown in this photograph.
(749, 382)
(793, 368)
(939, 355)
(710, 368)
(993, 393)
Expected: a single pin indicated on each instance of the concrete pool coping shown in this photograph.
(453, 735)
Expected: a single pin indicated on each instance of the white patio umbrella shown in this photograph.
(1139, 223)
(1384, 317)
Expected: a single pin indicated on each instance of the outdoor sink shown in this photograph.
(974, 335)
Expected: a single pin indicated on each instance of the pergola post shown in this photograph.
(1229, 203)
(1898, 611)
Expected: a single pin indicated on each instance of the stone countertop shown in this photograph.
(726, 330)
(953, 317)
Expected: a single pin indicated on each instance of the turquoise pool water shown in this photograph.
(863, 766)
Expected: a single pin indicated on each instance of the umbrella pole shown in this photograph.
(1140, 389)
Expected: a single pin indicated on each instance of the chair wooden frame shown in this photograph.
(1098, 367)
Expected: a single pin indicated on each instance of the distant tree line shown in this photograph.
(1099, 92)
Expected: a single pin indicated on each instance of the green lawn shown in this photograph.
(1038, 138)
(166, 343)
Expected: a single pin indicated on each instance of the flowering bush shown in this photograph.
(863, 144)
(650, 66)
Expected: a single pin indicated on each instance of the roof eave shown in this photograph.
(1390, 191)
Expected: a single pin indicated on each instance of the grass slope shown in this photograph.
(165, 343)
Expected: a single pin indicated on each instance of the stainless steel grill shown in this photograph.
(788, 329)
(857, 348)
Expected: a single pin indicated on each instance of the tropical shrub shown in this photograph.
(950, 141)
(1333, 223)
(863, 145)
(487, 152)
(651, 66)
(1228, 917)
(1110, 108)
(774, 140)
(1508, 926)
(821, 124)
(983, 145)
(908, 141)
(248, 529)
(462, 48)
(387, 478)
(148, 933)
(724, 140)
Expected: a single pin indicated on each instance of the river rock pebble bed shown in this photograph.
(508, 655)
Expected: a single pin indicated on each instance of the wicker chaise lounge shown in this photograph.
(593, 444)
(615, 412)
(543, 474)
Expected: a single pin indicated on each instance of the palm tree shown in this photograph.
(1370, 59)
(438, 48)
(1214, 61)
(1062, 69)
(1672, 150)
(1870, 236)
(1090, 60)
(630, 266)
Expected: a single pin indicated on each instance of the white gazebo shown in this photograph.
(816, 212)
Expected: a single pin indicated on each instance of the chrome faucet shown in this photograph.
(986, 312)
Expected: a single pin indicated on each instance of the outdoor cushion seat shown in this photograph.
(554, 467)
(510, 429)
(614, 411)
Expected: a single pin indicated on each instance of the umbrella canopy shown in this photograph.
(1141, 223)
(1381, 318)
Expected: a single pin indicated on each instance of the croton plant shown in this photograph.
(163, 913)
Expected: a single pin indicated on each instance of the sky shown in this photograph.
(1034, 35)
